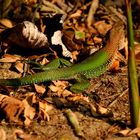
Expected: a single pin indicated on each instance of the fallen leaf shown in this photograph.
(29, 111)
(10, 58)
(44, 108)
(40, 89)
(102, 27)
(97, 39)
(78, 13)
(135, 131)
(124, 132)
(11, 108)
(6, 23)
(2, 134)
(59, 86)
(19, 66)
(115, 66)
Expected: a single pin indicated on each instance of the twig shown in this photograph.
(93, 8)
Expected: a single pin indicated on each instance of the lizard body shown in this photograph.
(93, 66)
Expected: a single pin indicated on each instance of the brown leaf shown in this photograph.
(78, 13)
(2, 134)
(29, 111)
(44, 108)
(19, 66)
(102, 27)
(40, 89)
(97, 39)
(10, 58)
(5, 23)
(58, 86)
(12, 108)
(68, 39)
(124, 132)
(25, 35)
(135, 131)
(115, 66)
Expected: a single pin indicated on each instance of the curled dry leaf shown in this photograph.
(25, 35)
(124, 132)
(29, 111)
(11, 108)
(30, 2)
(135, 131)
(76, 97)
(44, 108)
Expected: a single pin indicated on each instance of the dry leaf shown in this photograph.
(40, 89)
(29, 111)
(44, 61)
(2, 134)
(78, 97)
(124, 132)
(10, 58)
(135, 131)
(97, 39)
(19, 66)
(115, 66)
(74, 55)
(78, 13)
(25, 35)
(12, 108)
(102, 27)
(6, 23)
(44, 108)
(58, 86)
(68, 39)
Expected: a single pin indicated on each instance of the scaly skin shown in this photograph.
(93, 66)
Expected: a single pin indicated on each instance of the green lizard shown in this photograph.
(93, 66)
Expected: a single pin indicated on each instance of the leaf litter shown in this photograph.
(40, 110)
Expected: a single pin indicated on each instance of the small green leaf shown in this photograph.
(79, 35)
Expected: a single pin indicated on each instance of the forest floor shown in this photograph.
(44, 111)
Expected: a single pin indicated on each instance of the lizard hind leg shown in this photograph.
(82, 83)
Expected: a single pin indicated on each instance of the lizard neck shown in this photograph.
(101, 60)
